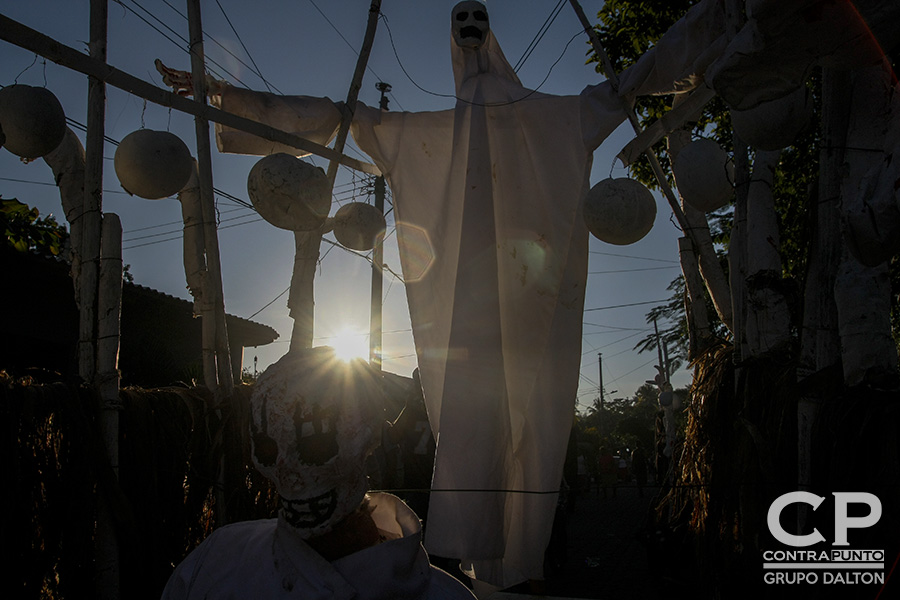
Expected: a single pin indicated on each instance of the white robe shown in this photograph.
(494, 255)
(263, 559)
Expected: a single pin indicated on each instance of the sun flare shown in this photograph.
(349, 344)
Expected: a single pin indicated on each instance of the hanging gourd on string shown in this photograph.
(33, 120)
(619, 211)
(776, 124)
(704, 175)
(289, 193)
(358, 226)
(152, 164)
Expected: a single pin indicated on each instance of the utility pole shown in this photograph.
(600, 364)
(375, 315)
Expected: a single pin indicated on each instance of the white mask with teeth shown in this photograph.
(312, 423)
(470, 24)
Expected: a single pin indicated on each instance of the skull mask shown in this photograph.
(311, 426)
(470, 24)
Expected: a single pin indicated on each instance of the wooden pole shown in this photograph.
(93, 183)
(307, 243)
(109, 306)
(225, 384)
(106, 544)
(196, 275)
(819, 341)
(600, 369)
(19, 35)
(375, 312)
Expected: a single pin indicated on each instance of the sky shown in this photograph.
(310, 47)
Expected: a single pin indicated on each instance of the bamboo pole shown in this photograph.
(719, 292)
(225, 380)
(302, 296)
(19, 35)
(106, 544)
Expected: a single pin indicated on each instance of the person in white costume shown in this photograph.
(312, 424)
(494, 254)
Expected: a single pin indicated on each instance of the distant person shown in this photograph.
(313, 421)
(608, 469)
(622, 466)
(639, 468)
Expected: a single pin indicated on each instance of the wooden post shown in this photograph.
(91, 214)
(375, 312)
(196, 274)
(225, 384)
(819, 342)
(863, 293)
(767, 318)
(302, 296)
(106, 544)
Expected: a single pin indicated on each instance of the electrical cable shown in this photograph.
(246, 51)
(539, 35)
(633, 257)
(355, 51)
(457, 98)
(626, 305)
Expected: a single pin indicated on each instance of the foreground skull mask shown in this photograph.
(470, 25)
(312, 423)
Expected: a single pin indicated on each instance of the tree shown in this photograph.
(25, 230)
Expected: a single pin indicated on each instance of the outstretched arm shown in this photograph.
(314, 119)
(182, 82)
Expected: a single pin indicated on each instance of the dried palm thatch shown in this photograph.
(736, 457)
(176, 449)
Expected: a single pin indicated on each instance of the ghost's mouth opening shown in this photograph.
(470, 32)
(311, 512)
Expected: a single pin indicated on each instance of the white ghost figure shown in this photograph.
(494, 254)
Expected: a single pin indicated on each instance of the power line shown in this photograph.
(270, 303)
(238, 36)
(186, 46)
(633, 370)
(457, 98)
(625, 305)
(154, 235)
(233, 55)
(539, 35)
(631, 270)
(614, 327)
(355, 51)
(30, 182)
(633, 257)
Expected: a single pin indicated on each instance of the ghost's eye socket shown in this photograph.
(480, 15)
(462, 16)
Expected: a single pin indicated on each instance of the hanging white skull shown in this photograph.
(153, 164)
(289, 193)
(312, 424)
(619, 211)
(704, 175)
(33, 120)
(470, 24)
(358, 226)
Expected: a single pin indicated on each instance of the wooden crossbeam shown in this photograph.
(24, 37)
